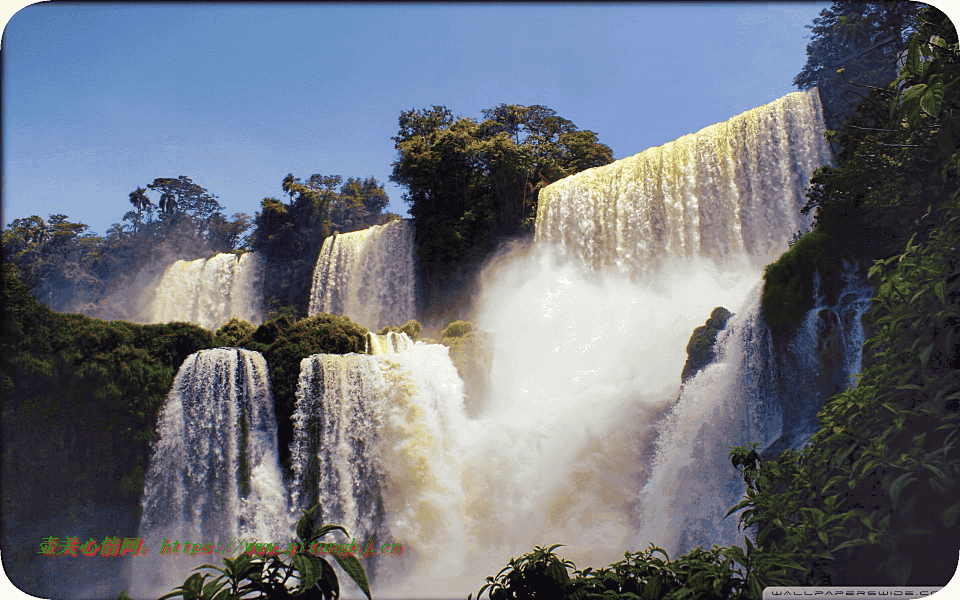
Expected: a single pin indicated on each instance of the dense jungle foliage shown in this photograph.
(80, 399)
(874, 499)
(862, 38)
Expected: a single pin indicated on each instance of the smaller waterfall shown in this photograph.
(375, 444)
(367, 275)
(210, 292)
(214, 476)
(751, 393)
(388, 343)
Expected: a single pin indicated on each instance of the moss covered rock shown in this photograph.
(471, 351)
(700, 349)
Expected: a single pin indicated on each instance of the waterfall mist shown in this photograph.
(585, 436)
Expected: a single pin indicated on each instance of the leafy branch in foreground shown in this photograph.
(248, 577)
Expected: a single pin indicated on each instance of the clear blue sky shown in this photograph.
(100, 98)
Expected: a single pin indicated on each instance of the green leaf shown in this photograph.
(327, 529)
(352, 566)
(938, 289)
(897, 487)
(912, 64)
(932, 98)
(849, 544)
(950, 515)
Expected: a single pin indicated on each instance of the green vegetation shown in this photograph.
(233, 331)
(411, 328)
(715, 574)
(268, 577)
(80, 401)
(788, 291)
(863, 39)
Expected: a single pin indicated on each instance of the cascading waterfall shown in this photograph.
(582, 438)
(751, 393)
(367, 275)
(214, 474)
(732, 188)
(210, 292)
(388, 343)
(374, 443)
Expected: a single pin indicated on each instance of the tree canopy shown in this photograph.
(470, 183)
(862, 38)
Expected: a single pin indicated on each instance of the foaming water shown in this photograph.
(583, 363)
(376, 443)
(367, 275)
(210, 291)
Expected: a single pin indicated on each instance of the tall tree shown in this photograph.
(864, 39)
(182, 197)
(139, 200)
(471, 183)
(359, 205)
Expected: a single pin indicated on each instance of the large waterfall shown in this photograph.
(367, 275)
(214, 475)
(210, 291)
(732, 188)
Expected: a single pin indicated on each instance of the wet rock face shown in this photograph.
(700, 351)
(838, 328)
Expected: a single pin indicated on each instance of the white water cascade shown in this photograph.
(375, 442)
(750, 393)
(214, 477)
(388, 343)
(367, 275)
(210, 291)
(730, 189)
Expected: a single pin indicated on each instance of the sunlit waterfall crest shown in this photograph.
(367, 275)
(214, 474)
(732, 188)
(210, 291)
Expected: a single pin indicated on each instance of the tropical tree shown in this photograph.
(864, 39)
(139, 200)
(469, 183)
(182, 197)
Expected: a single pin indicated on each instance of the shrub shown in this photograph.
(266, 578)
(233, 332)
